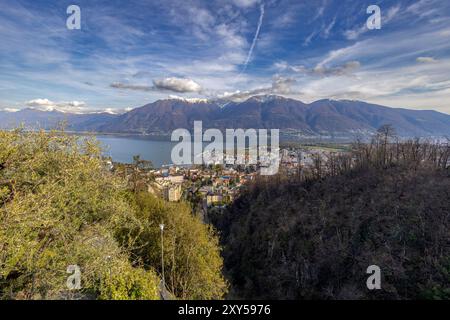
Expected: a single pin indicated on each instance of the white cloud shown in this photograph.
(392, 12)
(424, 8)
(211, 44)
(245, 3)
(136, 87)
(340, 70)
(40, 103)
(111, 111)
(426, 60)
(421, 86)
(76, 104)
(190, 100)
(10, 109)
(328, 28)
(354, 34)
(309, 38)
(229, 36)
(63, 106)
(280, 85)
(320, 69)
(281, 65)
(390, 48)
(284, 20)
(177, 85)
(320, 11)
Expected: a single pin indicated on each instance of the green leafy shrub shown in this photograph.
(60, 207)
(193, 264)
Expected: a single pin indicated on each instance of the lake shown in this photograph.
(123, 148)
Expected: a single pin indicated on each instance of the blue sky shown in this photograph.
(129, 53)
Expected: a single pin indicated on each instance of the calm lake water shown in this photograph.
(122, 149)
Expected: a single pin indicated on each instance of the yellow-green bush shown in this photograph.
(60, 207)
(125, 283)
(193, 264)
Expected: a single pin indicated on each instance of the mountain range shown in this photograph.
(319, 118)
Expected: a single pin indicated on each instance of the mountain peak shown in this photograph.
(189, 100)
(266, 98)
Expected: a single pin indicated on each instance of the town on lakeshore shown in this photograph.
(212, 187)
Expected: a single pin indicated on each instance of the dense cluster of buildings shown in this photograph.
(213, 185)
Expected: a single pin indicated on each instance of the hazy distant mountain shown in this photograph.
(37, 119)
(323, 117)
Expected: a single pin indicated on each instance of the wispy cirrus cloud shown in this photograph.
(297, 49)
(320, 70)
(355, 33)
(255, 38)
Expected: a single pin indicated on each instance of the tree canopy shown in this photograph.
(193, 262)
(61, 206)
(313, 236)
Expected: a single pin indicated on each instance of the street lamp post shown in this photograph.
(108, 259)
(161, 226)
